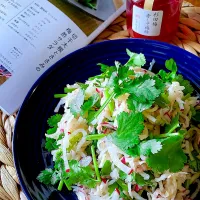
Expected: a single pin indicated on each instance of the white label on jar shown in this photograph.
(147, 22)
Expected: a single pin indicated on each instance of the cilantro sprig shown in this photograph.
(51, 144)
(77, 174)
(130, 127)
(164, 154)
(173, 76)
(143, 90)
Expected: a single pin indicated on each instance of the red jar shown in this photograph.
(153, 19)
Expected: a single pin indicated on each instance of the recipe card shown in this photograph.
(34, 35)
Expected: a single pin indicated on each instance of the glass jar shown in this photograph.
(153, 19)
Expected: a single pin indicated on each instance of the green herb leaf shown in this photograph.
(59, 95)
(130, 127)
(183, 82)
(150, 147)
(171, 157)
(135, 60)
(195, 164)
(143, 92)
(68, 90)
(162, 101)
(48, 177)
(52, 130)
(122, 175)
(81, 175)
(89, 103)
(59, 165)
(143, 88)
(107, 70)
(122, 185)
(51, 144)
(170, 65)
(136, 106)
(134, 151)
(173, 125)
(123, 72)
(111, 188)
(83, 86)
(140, 180)
(106, 169)
(96, 114)
(53, 120)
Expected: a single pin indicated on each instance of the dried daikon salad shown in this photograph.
(127, 134)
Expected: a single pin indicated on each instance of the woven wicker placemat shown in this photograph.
(187, 37)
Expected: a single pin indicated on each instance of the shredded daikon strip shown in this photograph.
(145, 175)
(84, 162)
(152, 63)
(114, 174)
(130, 190)
(162, 177)
(137, 196)
(65, 143)
(176, 93)
(60, 103)
(150, 117)
(115, 159)
(114, 196)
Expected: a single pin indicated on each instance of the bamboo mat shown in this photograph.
(187, 37)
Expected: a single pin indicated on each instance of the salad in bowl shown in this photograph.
(127, 133)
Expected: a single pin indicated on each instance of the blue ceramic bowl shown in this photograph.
(29, 155)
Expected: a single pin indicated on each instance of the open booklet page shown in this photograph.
(35, 34)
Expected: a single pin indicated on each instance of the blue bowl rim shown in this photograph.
(39, 80)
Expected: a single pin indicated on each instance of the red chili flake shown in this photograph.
(104, 180)
(137, 188)
(97, 90)
(67, 170)
(197, 103)
(182, 109)
(167, 113)
(104, 123)
(123, 160)
(105, 131)
(144, 70)
(117, 190)
(69, 133)
(81, 186)
(130, 172)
